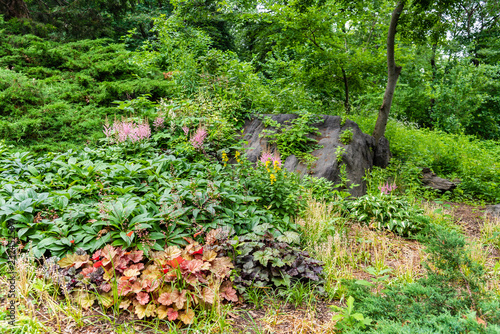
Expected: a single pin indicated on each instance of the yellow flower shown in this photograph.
(273, 178)
(276, 165)
(225, 159)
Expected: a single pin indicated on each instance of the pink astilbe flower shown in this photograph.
(108, 131)
(185, 129)
(276, 159)
(143, 131)
(159, 123)
(121, 131)
(199, 137)
(386, 188)
(265, 156)
(273, 158)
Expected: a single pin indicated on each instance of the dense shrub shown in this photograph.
(475, 163)
(57, 95)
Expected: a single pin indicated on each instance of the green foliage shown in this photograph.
(291, 138)
(73, 20)
(220, 117)
(405, 176)
(54, 95)
(348, 318)
(455, 99)
(346, 136)
(278, 190)
(386, 211)
(61, 202)
(323, 190)
(473, 162)
(339, 153)
(378, 280)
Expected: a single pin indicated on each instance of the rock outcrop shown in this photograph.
(360, 153)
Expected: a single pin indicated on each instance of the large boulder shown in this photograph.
(360, 153)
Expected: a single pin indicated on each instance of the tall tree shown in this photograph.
(393, 72)
(328, 47)
(417, 10)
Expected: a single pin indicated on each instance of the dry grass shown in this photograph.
(347, 248)
(38, 309)
(486, 251)
(304, 322)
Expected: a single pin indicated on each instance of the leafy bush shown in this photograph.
(279, 190)
(292, 138)
(386, 211)
(346, 136)
(170, 285)
(348, 319)
(56, 95)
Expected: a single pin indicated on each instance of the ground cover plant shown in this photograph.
(88, 198)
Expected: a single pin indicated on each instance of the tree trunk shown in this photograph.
(14, 8)
(347, 105)
(434, 77)
(393, 72)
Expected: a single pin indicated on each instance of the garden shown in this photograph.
(129, 204)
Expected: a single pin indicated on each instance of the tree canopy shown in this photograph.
(437, 61)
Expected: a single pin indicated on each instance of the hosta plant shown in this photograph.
(388, 212)
(172, 284)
